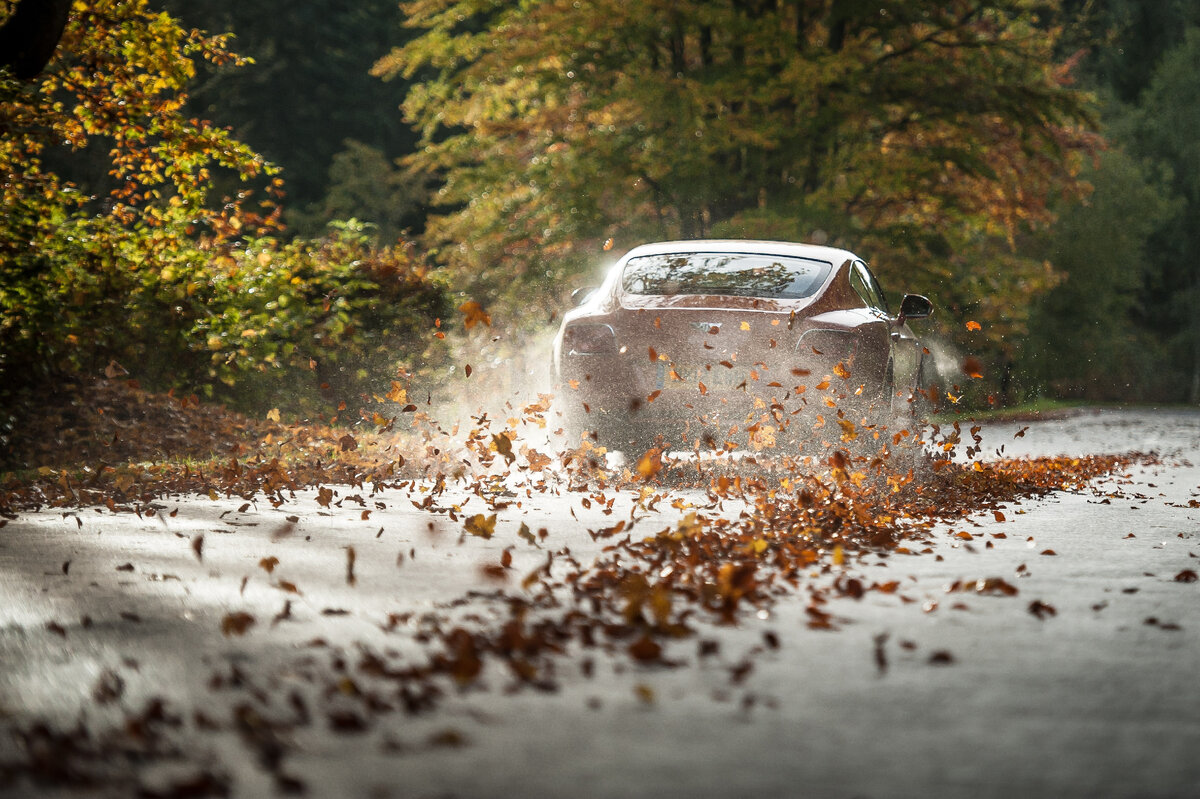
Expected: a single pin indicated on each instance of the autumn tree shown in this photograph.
(923, 134)
(143, 266)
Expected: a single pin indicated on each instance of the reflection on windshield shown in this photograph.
(725, 274)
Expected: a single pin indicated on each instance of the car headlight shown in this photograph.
(589, 339)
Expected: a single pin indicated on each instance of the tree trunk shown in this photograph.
(29, 37)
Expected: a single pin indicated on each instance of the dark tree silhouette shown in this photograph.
(28, 37)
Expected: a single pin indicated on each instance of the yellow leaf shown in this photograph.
(397, 394)
(480, 525)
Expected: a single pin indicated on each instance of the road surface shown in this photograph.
(117, 672)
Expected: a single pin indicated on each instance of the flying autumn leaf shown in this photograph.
(650, 464)
(473, 314)
(503, 445)
(397, 393)
(973, 325)
(480, 525)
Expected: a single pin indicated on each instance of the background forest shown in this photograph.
(298, 223)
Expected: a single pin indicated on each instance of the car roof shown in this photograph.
(833, 255)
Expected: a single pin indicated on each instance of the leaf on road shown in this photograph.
(236, 623)
(1040, 609)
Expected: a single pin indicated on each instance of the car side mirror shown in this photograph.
(915, 306)
(582, 294)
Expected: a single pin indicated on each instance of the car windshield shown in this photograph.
(726, 274)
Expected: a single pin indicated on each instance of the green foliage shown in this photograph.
(292, 322)
(1124, 40)
(1164, 132)
(557, 125)
(1101, 246)
(364, 184)
(179, 286)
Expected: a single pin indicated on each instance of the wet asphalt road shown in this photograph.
(978, 697)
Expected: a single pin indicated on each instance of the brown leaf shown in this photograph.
(1186, 576)
(1040, 609)
(108, 688)
(503, 445)
(645, 649)
(972, 367)
(268, 564)
(350, 558)
(198, 547)
(236, 623)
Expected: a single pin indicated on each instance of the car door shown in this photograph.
(905, 347)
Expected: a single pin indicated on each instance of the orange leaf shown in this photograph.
(650, 464)
(474, 314)
(973, 325)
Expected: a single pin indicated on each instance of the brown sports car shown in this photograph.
(723, 343)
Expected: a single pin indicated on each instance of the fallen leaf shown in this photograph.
(236, 623)
(1041, 609)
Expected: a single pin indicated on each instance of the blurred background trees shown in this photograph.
(258, 226)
